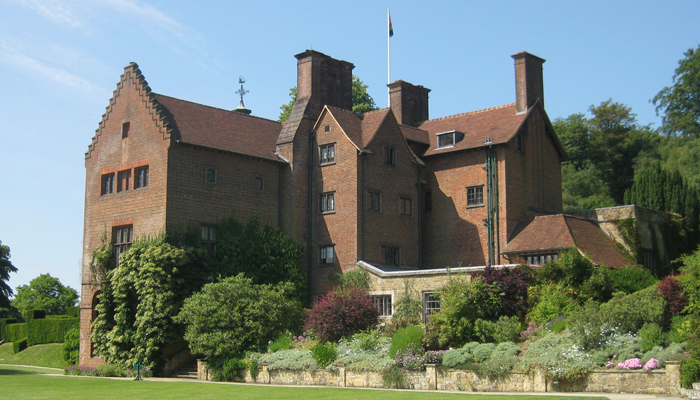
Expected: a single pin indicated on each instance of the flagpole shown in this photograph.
(388, 53)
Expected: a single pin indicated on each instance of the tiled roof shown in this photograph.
(220, 129)
(350, 123)
(499, 124)
(415, 134)
(371, 122)
(559, 231)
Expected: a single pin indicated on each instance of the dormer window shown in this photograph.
(446, 139)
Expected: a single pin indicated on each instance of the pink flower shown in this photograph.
(653, 363)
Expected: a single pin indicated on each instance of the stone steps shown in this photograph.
(186, 372)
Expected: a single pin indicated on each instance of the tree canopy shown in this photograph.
(679, 104)
(45, 293)
(361, 100)
(5, 268)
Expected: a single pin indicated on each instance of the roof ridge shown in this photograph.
(377, 110)
(216, 108)
(470, 112)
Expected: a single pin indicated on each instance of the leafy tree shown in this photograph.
(361, 99)
(234, 315)
(5, 290)
(679, 104)
(584, 189)
(45, 293)
(511, 285)
(342, 313)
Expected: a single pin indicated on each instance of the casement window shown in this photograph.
(107, 184)
(327, 255)
(542, 259)
(374, 200)
(383, 303)
(405, 206)
(446, 140)
(389, 155)
(210, 175)
(123, 179)
(259, 184)
(327, 202)
(475, 196)
(122, 236)
(209, 239)
(327, 154)
(431, 305)
(141, 177)
(390, 255)
(428, 201)
(126, 127)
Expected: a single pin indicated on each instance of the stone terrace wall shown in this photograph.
(661, 381)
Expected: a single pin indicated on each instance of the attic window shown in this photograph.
(327, 128)
(126, 126)
(446, 140)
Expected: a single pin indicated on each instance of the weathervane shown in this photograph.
(242, 92)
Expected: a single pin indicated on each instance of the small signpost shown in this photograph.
(138, 368)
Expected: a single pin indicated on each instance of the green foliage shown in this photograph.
(324, 354)
(506, 329)
(265, 255)
(584, 189)
(394, 377)
(41, 355)
(461, 304)
(407, 310)
(112, 370)
(4, 322)
(287, 108)
(358, 278)
(497, 365)
(293, 359)
(283, 342)
(586, 325)
(652, 335)
(690, 372)
(16, 332)
(559, 356)
(690, 279)
(630, 312)
(631, 279)
(71, 346)
(5, 268)
(366, 351)
(405, 337)
(461, 357)
(102, 260)
(678, 104)
(599, 286)
(572, 270)
(483, 351)
(45, 293)
(139, 300)
(233, 315)
(50, 330)
(229, 370)
(550, 301)
(19, 345)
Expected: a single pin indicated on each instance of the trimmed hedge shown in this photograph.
(73, 312)
(19, 345)
(34, 314)
(4, 322)
(50, 330)
(16, 332)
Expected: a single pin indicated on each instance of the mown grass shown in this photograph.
(40, 355)
(22, 383)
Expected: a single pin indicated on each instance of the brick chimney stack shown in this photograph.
(324, 81)
(408, 102)
(529, 85)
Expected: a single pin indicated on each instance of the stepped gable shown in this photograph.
(132, 71)
(220, 129)
(560, 232)
(499, 124)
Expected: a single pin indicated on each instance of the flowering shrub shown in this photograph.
(652, 364)
(632, 363)
(412, 358)
(433, 357)
(559, 356)
(301, 341)
(531, 330)
(341, 314)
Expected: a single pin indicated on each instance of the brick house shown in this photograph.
(391, 190)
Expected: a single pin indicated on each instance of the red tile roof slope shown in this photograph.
(498, 123)
(415, 134)
(595, 243)
(350, 123)
(221, 129)
(371, 122)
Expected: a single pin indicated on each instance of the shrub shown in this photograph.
(337, 314)
(586, 324)
(506, 349)
(234, 315)
(678, 332)
(4, 322)
(458, 358)
(651, 336)
(690, 372)
(324, 354)
(497, 365)
(15, 332)
(406, 337)
(283, 342)
(532, 330)
(572, 270)
(50, 330)
(631, 279)
(631, 311)
(599, 286)
(71, 346)
(506, 329)
(358, 278)
(111, 370)
(394, 377)
(365, 352)
(407, 310)
(511, 285)
(410, 357)
(551, 301)
(483, 351)
(229, 370)
(672, 292)
(461, 304)
(288, 359)
(19, 345)
(559, 356)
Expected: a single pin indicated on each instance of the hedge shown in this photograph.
(3, 327)
(19, 345)
(50, 330)
(16, 332)
(74, 312)
(34, 314)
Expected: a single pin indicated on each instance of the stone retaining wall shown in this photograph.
(660, 381)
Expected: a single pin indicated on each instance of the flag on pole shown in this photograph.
(391, 27)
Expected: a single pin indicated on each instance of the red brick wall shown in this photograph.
(144, 207)
(193, 201)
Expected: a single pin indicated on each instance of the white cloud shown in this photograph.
(147, 13)
(58, 11)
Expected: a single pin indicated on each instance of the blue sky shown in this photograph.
(60, 60)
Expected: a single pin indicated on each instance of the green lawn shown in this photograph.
(40, 355)
(27, 383)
